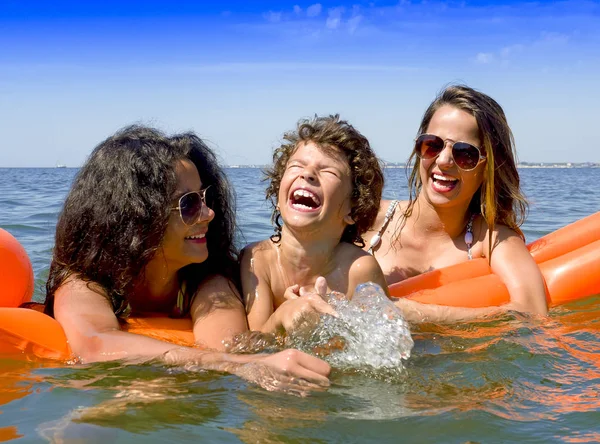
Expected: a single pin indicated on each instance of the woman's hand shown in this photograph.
(289, 371)
(303, 307)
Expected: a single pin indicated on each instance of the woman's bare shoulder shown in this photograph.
(80, 305)
(385, 205)
(500, 233)
(74, 286)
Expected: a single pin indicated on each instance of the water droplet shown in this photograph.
(370, 333)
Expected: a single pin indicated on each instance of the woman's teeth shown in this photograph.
(444, 178)
(197, 236)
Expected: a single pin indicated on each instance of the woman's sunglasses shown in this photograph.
(190, 206)
(465, 155)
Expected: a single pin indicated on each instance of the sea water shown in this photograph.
(368, 333)
(508, 379)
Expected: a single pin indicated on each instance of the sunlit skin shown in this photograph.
(177, 248)
(275, 275)
(328, 178)
(94, 332)
(180, 247)
(433, 237)
(452, 125)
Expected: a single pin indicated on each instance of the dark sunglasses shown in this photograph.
(465, 155)
(191, 204)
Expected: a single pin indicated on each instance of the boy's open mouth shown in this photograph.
(304, 200)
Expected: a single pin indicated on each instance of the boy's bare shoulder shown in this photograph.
(349, 253)
(359, 259)
(361, 267)
(261, 250)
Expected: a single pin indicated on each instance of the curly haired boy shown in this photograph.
(325, 186)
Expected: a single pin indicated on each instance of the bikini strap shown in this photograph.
(469, 236)
(180, 307)
(376, 239)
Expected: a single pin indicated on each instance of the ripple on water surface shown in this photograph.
(508, 379)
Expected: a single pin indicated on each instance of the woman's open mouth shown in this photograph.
(442, 183)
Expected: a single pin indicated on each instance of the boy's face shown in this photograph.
(315, 190)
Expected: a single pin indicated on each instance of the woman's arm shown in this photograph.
(94, 335)
(217, 313)
(92, 328)
(418, 312)
(512, 262)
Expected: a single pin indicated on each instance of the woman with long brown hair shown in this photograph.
(464, 201)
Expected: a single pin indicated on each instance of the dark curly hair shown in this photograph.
(116, 214)
(333, 135)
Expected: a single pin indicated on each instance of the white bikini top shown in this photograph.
(376, 239)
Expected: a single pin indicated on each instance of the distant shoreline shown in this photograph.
(393, 165)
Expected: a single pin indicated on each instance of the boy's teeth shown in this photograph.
(304, 193)
(297, 205)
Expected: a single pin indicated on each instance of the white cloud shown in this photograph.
(507, 51)
(314, 10)
(273, 17)
(547, 41)
(297, 10)
(484, 58)
(353, 23)
(334, 18)
(554, 38)
(284, 66)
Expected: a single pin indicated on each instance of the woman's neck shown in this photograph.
(443, 221)
(157, 292)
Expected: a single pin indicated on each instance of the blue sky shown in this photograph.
(242, 73)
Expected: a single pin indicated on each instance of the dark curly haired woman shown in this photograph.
(325, 185)
(148, 228)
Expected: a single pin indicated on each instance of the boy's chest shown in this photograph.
(281, 281)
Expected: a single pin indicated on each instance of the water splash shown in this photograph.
(369, 333)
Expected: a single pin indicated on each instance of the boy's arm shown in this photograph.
(258, 296)
(365, 269)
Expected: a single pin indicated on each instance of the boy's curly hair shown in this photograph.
(333, 135)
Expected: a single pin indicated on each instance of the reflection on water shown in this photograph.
(499, 378)
(507, 379)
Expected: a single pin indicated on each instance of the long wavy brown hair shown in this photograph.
(499, 199)
(118, 208)
(332, 134)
